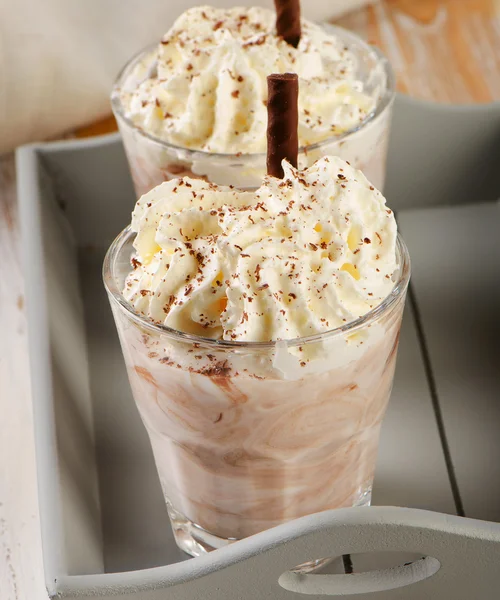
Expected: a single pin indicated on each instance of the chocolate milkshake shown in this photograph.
(195, 104)
(260, 332)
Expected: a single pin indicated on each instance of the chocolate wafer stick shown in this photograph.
(282, 122)
(288, 20)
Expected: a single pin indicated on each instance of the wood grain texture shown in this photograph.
(102, 127)
(21, 575)
(443, 50)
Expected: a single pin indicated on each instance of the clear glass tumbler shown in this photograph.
(153, 160)
(246, 435)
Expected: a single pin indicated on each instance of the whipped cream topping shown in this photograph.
(205, 86)
(297, 257)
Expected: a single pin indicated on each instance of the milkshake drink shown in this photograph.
(260, 332)
(195, 104)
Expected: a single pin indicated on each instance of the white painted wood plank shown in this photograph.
(456, 278)
(21, 571)
(411, 469)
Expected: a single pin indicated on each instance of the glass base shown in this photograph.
(365, 497)
(195, 541)
(191, 538)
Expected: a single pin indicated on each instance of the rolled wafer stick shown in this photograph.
(282, 121)
(288, 20)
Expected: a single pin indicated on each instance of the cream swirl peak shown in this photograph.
(297, 257)
(205, 86)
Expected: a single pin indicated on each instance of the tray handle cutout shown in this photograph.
(366, 582)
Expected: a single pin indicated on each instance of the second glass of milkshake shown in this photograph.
(195, 104)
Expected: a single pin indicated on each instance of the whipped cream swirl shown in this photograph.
(205, 86)
(297, 257)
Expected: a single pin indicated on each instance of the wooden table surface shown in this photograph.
(445, 51)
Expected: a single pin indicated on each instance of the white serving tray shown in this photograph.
(105, 529)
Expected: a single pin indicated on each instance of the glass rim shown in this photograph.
(385, 307)
(384, 102)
